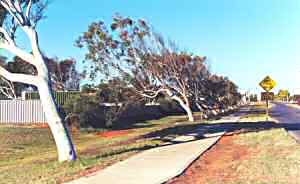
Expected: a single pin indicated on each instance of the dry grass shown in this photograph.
(274, 157)
(28, 155)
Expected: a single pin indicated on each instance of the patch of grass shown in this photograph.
(257, 113)
(262, 106)
(274, 158)
(277, 158)
(266, 156)
(254, 117)
(28, 155)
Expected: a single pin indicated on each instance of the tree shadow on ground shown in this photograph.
(135, 123)
(201, 131)
(128, 123)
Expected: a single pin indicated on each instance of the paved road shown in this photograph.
(289, 117)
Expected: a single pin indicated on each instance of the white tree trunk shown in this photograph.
(189, 112)
(65, 148)
(21, 17)
(186, 107)
(66, 151)
(200, 109)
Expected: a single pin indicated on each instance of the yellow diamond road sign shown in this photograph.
(267, 84)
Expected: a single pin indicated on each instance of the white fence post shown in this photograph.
(23, 95)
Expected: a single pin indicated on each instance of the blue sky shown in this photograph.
(243, 39)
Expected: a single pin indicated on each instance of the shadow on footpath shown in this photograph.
(200, 130)
(195, 132)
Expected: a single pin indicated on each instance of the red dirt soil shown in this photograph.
(112, 134)
(38, 125)
(216, 165)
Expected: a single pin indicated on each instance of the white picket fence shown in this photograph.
(21, 112)
(30, 111)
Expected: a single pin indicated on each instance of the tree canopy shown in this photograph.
(134, 52)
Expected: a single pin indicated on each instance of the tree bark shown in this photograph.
(189, 112)
(200, 109)
(186, 107)
(184, 104)
(65, 148)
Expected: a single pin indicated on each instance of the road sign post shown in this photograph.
(267, 102)
(267, 84)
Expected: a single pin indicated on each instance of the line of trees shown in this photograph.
(133, 52)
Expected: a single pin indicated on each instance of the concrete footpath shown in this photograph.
(158, 165)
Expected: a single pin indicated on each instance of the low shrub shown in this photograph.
(169, 106)
(87, 110)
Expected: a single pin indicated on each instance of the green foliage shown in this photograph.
(88, 88)
(87, 109)
(169, 106)
(91, 113)
(103, 108)
(223, 90)
(119, 96)
(116, 91)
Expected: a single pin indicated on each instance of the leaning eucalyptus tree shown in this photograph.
(224, 91)
(24, 15)
(198, 85)
(132, 51)
(174, 73)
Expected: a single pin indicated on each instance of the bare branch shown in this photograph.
(22, 78)
(155, 93)
(28, 10)
(17, 5)
(29, 58)
(7, 37)
(12, 11)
